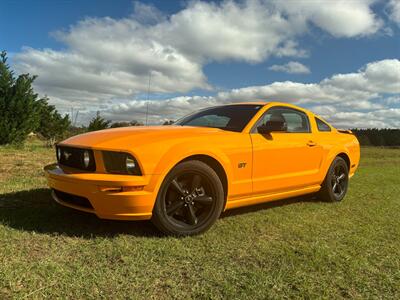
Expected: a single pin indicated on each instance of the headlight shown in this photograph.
(130, 164)
(120, 163)
(86, 159)
(58, 153)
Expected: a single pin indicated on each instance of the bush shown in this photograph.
(135, 123)
(126, 124)
(74, 130)
(169, 122)
(120, 124)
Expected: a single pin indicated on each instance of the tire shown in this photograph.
(336, 181)
(189, 201)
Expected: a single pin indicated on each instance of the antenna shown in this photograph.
(76, 117)
(148, 93)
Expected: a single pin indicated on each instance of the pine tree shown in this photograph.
(52, 125)
(98, 123)
(19, 109)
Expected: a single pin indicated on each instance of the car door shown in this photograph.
(285, 160)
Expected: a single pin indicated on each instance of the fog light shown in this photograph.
(110, 189)
(118, 189)
(132, 188)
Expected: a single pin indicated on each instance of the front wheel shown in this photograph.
(189, 201)
(335, 185)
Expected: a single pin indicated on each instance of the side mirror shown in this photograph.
(272, 126)
(263, 129)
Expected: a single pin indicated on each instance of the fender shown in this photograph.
(180, 152)
(333, 153)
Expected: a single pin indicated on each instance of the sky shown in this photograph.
(340, 59)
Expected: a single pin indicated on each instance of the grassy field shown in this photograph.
(298, 248)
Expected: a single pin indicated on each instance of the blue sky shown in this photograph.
(323, 45)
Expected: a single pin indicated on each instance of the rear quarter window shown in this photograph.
(322, 126)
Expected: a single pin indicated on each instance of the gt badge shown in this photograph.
(242, 165)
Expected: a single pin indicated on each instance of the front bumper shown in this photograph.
(104, 194)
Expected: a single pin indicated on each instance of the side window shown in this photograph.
(295, 120)
(322, 126)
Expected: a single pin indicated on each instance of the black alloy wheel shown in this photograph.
(336, 182)
(190, 199)
(339, 181)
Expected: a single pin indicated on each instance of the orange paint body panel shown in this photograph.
(257, 168)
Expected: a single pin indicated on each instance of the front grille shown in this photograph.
(73, 199)
(74, 158)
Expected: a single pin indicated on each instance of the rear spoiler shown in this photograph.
(345, 131)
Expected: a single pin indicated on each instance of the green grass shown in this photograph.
(298, 248)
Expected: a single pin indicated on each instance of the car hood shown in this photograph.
(128, 137)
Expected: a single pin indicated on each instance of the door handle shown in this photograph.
(311, 144)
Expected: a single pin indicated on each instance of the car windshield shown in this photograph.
(228, 117)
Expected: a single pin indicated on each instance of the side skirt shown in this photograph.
(271, 197)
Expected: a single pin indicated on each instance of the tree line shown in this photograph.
(378, 137)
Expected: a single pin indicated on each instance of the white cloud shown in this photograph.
(393, 9)
(347, 100)
(147, 13)
(249, 31)
(107, 59)
(377, 77)
(341, 18)
(292, 67)
(374, 119)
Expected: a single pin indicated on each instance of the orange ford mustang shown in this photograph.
(183, 176)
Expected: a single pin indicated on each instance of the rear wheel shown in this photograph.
(190, 199)
(335, 185)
